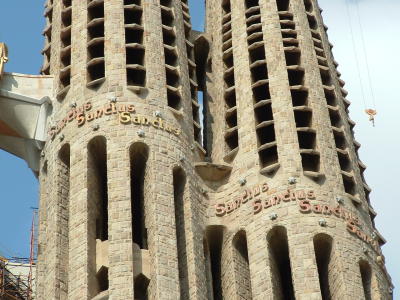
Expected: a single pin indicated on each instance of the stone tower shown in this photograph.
(140, 200)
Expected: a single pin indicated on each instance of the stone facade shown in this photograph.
(133, 205)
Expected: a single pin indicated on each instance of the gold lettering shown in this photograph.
(124, 118)
(220, 210)
(81, 119)
(257, 207)
(88, 106)
(131, 108)
(305, 206)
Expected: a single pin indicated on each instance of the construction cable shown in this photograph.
(365, 55)
(355, 54)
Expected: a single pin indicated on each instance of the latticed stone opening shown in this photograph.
(280, 264)
(296, 77)
(349, 184)
(310, 161)
(129, 2)
(293, 58)
(303, 118)
(307, 139)
(299, 97)
(259, 72)
(96, 64)
(257, 53)
(283, 5)
(268, 156)
(263, 113)
(308, 5)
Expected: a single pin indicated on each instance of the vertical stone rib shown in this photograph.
(120, 229)
(78, 280)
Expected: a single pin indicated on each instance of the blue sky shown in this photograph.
(21, 24)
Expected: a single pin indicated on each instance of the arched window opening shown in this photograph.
(366, 277)
(207, 265)
(214, 236)
(141, 287)
(98, 180)
(98, 214)
(64, 166)
(138, 159)
(102, 279)
(323, 252)
(242, 267)
(280, 264)
(179, 180)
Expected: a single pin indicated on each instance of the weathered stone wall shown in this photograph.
(208, 196)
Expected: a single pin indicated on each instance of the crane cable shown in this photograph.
(365, 55)
(371, 112)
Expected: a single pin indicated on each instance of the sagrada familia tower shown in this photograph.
(176, 164)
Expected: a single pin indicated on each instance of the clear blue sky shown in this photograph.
(21, 23)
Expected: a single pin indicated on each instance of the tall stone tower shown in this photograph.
(140, 200)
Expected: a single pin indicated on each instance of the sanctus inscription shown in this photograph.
(126, 115)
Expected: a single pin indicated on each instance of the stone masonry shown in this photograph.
(141, 199)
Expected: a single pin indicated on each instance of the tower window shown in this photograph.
(138, 159)
(179, 181)
(141, 287)
(214, 236)
(366, 278)
(280, 264)
(64, 169)
(242, 268)
(323, 252)
(97, 210)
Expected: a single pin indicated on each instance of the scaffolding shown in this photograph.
(17, 274)
(13, 287)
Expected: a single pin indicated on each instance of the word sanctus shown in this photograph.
(158, 123)
(352, 221)
(248, 194)
(85, 114)
(286, 196)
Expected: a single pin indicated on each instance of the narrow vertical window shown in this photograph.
(138, 159)
(179, 180)
(63, 192)
(280, 264)
(207, 267)
(242, 268)
(214, 237)
(141, 287)
(98, 213)
(366, 277)
(323, 252)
